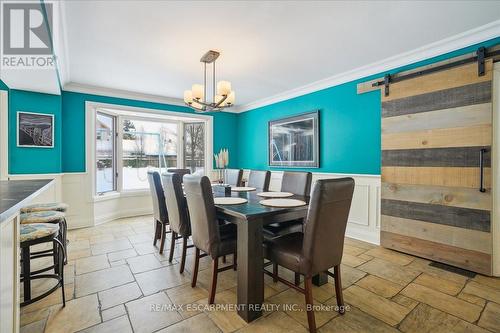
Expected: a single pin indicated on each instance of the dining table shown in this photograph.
(250, 218)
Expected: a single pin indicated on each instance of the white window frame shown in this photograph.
(91, 108)
(115, 152)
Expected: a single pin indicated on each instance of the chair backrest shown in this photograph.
(159, 205)
(326, 223)
(297, 183)
(259, 179)
(234, 176)
(202, 213)
(181, 172)
(178, 216)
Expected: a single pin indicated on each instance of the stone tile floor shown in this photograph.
(117, 282)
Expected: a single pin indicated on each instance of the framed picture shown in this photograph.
(294, 141)
(35, 130)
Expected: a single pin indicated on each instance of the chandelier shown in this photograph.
(222, 95)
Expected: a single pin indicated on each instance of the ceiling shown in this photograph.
(267, 48)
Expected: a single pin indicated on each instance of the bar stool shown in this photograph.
(49, 216)
(39, 233)
(51, 206)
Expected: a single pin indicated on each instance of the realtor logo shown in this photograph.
(26, 35)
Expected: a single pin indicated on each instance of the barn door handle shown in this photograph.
(481, 170)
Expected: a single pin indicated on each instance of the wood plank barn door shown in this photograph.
(435, 129)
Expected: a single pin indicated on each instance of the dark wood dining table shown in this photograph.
(249, 218)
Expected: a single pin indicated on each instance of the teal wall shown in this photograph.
(73, 110)
(3, 86)
(349, 125)
(24, 160)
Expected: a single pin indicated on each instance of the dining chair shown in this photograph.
(233, 176)
(160, 214)
(208, 236)
(298, 183)
(320, 246)
(259, 179)
(181, 172)
(178, 215)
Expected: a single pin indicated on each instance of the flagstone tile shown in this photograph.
(101, 280)
(443, 302)
(198, 323)
(446, 286)
(349, 275)
(153, 281)
(353, 250)
(393, 272)
(52, 299)
(91, 264)
(227, 319)
(483, 291)
(425, 319)
(358, 243)
(146, 248)
(150, 313)
(356, 321)
(379, 307)
(119, 295)
(490, 318)
(472, 299)
(390, 255)
(422, 265)
(493, 282)
(116, 245)
(382, 287)
(352, 261)
(405, 301)
(119, 255)
(78, 314)
(143, 263)
(113, 312)
(35, 327)
(117, 325)
(276, 322)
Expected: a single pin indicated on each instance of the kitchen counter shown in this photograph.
(15, 194)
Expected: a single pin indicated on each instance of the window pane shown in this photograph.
(105, 151)
(194, 147)
(147, 146)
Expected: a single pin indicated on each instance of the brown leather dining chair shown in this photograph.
(208, 235)
(298, 183)
(234, 177)
(160, 214)
(259, 179)
(181, 172)
(320, 246)
(178, 215)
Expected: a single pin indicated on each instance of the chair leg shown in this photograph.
(309, 304)
(223, 259)
(215, 267)
(183, 257)
(297, 279)
(65, 240)
(195, 269)
(25, 253)
(275, 272)
(61, 258)
(172, 247)
(163, 236)
(157, 233)
(235, 261)
(338, 289)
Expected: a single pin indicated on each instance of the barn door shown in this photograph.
(436, 167)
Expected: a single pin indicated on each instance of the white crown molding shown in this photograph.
(468, 38)
(110, 92)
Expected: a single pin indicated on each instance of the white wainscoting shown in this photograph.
(84, 209)
(364, 218)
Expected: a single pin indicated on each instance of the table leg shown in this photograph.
(320, 279)
(250, 270)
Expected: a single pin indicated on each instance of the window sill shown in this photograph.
(123, 194)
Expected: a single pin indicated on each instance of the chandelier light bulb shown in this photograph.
(230, 98)
(188, 96)
(198, 91)
(223, 88)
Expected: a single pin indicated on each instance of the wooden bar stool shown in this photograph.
(39, 233)
(51, 216)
